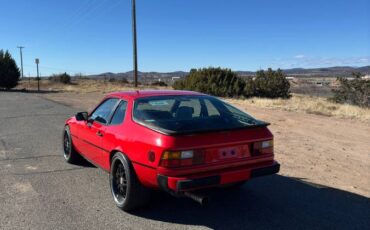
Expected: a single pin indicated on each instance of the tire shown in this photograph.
(127, 191)
(70, 154)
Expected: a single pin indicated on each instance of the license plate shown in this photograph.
(226, 153)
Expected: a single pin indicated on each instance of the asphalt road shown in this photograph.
(38, 190)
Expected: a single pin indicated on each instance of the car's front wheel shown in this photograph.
(70, 154)
(127, 191)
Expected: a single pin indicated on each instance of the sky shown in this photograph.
(95, 36)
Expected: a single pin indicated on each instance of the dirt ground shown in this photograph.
(322, 151)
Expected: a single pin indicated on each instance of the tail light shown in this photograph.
(263, 147)
(172, 159)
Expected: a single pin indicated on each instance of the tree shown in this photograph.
(271, 84)
(226, 83)
(355, 91)
(159, 83)
(214, 81)
(9, 71)
(124, 81)
(250, 88)
(62, 78)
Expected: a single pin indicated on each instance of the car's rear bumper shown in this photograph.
(179, 184)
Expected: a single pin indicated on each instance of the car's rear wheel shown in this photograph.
(69, 153)
(127, 191)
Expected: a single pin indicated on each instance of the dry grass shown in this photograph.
(83, 86)
(298, 103)
(310, 105)
(89, 86)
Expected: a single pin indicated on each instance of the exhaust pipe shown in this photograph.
(202, 200)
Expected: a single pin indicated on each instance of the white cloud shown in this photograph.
(301, 61)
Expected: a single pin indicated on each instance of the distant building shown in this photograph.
(366, 77)
(290, 78)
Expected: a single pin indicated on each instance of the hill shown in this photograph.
(336, 71)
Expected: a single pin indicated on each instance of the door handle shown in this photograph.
(100, 134)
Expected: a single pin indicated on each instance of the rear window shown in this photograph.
(190, 114)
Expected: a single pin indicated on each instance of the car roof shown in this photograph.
(133, 94)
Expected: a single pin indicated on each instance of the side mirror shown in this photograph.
(82, 116)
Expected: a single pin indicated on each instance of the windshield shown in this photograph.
(190, 114)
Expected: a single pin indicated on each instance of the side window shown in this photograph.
(102, 113)
(192, 103)
(212, 111)
(119, 114)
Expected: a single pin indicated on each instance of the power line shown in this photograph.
(85, 6)
(90, 9)
(110, 7)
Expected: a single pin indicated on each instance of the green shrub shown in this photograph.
(179, 84)
(356, 91)
(250, 88)
(62, 78)
(124, 81)
(9, 72)
(159, 83)
(226, 83)
(214, 81)
(270, 84)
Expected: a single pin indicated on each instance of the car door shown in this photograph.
(92, 133)
(114, 134)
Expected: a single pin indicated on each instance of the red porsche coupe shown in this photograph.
(176, 141)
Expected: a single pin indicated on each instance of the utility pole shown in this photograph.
(134, 41)
(37, 61)
(20, 50)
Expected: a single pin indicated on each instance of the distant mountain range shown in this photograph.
(337, 71)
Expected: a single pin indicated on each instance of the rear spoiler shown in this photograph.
(193, 132)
